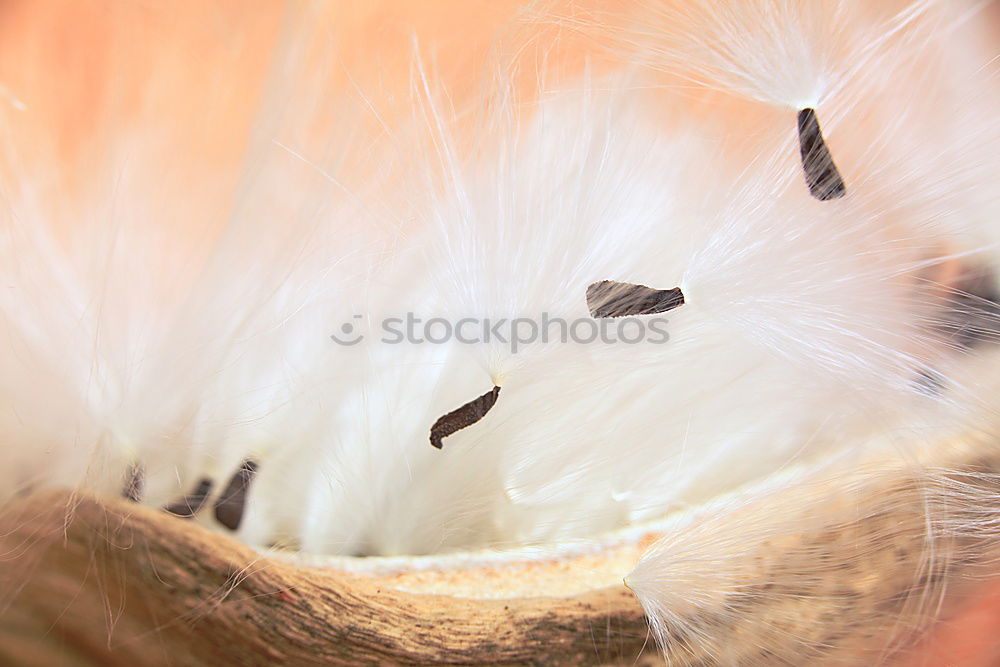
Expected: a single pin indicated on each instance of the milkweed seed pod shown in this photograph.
(528, 333)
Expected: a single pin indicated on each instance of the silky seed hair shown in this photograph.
(822, 326)
(541, 198)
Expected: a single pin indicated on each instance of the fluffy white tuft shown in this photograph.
(175, 317)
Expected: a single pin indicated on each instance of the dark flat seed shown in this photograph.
(969, 318)
(929, 382)
(192, 503)
(973, 311)
(822, 177)
(467, 415)
(608, 298)
(132, 490)
(229, 506)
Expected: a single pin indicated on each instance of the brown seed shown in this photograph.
(192, 503)
(972, 314)
(608, 298)
(822, 177)
(467, 415)
(229, 506)
(132, 490)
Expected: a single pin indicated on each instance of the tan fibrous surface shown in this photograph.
(91, 581)
(117, 584)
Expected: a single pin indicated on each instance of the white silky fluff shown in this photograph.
(807, 328)
(905, 100)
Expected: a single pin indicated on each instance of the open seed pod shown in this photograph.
(499, 333)
(823, 573)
